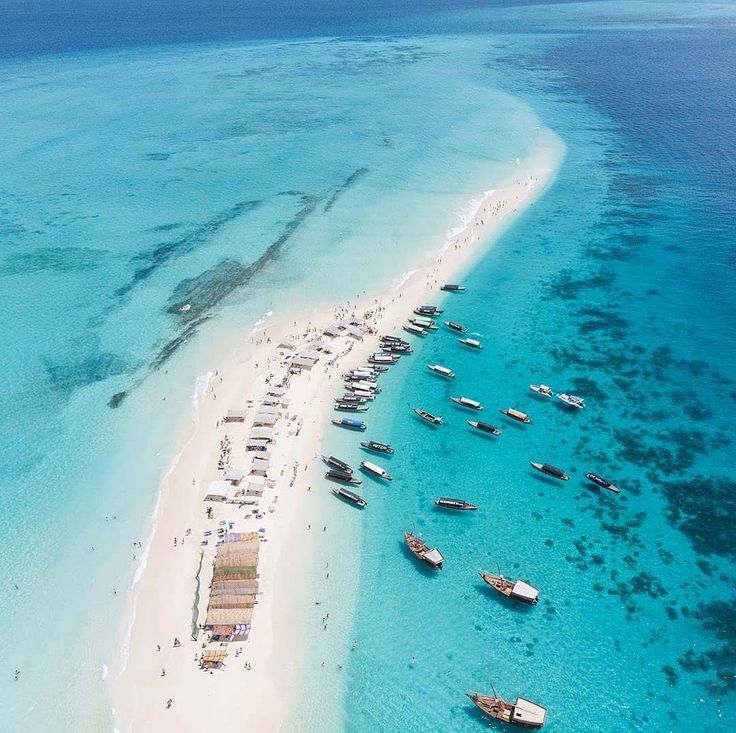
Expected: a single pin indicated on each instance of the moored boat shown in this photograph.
(419, 548)
(441, 370)
(347, 422)
(428, 310)
(467, 402)
(386, 338)
(447, 503)
(453, 288)
(551, 470)
(377, 447)
(372, 468)
(428, 416)
(382, 358)
(456, 326)
(416, 330)
(349, 407)
(396, 348)
(519, 590)
(336, 463)
(541, 389)
(523, 712)
(484, 427)
(571, 399)
(424, 322)
(604, 482)
(472, 343)
(516, 415)
(343, 477)
(351, 398)
(362, 393)
(350, 496)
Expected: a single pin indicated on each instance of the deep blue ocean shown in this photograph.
(154, 156)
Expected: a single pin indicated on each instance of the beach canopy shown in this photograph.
(268, 410)
(288, 343)
(218, 616)
(215, 656)
(218, 491)
(257, 444)
(304, 362)
(235, 415)
(265, 418)
(332, 331)
(356, 331)
(234, 475)
(262, 434)
(260, 464)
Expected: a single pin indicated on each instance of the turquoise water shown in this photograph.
(617, 285)
(231, 176)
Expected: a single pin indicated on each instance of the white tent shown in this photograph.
(218, 491)
(267, 419)
(262, 433)
(234, 475)
(235, 415)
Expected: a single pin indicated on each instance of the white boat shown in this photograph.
(472, 343)
(416, 330)
(381, 358)
(541, 389)
(571, 399)
(467, 402)
(363, 393)
(376, 470)
(426, 323)
(441, 370)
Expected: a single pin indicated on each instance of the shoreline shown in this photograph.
(163, 587)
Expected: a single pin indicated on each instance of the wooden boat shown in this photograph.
(349, 407)
(441, 370)
(333, 462)
(542, 390)
(604, 482)
(377, 447)
(387, 339)
(472, 343)
(484, 427)
(420, 549)
(551, 470)
(344, 478)
(428, 310)
(428, 416)
(516, 415)
(453, 288)
(346, 422)
(456, 326)
(447, 503)
(382, 358)
(523, 713)
(571, 399)
(424, 322)
(361, 393)
(351, 398)
(359, 377)
(350, 496)
(398, 349)
(519, 591)
(467, 402)
(376, 470)
(416, 330)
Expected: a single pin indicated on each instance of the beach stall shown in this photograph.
(357, 332)
(262, 434)
(256, 444)
(260, 465)
(218, 491)
(302, 362)
(235, 415)
(213, 658)
(288, 343)
(234, 475)
(265, 419)
(255, 486)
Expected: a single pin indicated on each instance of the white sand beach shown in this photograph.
(161, 600)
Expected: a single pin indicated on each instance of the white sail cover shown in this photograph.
(529, 713)
(525, 591)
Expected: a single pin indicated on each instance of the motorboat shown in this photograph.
(377, 447)
(453, 288)
(372, 468)
(364, 377)
(420, 549)
(349, 407)
(551, 470)
(351, 398)
(336, 463)
(456, 326)
(571, 399)
(350, 496)
(523, 713)
(362, 384)
(467, 402)
(423, 322)
(518, 590)
(362, 393)
(441, 370)
(379, 369)
(350, 424)
(447, 503)
(484, 427)
(516, 415)
(396, 339)
(429, 417)
(472, 343)
(428, 310)
(604, 482)
(416, 330)
(381, 358)
(342, 477)
(541, 389)
(396, 349)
